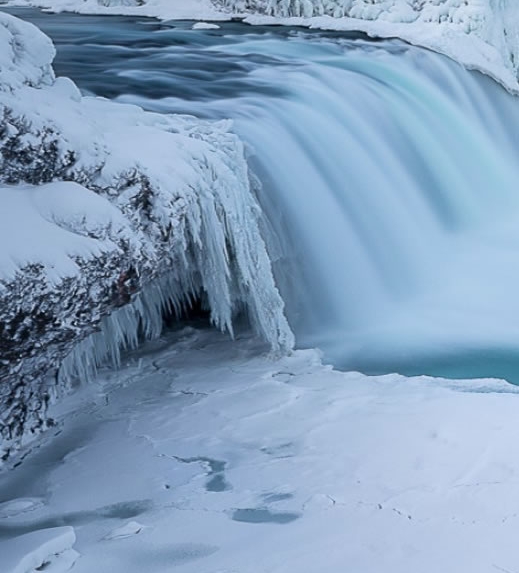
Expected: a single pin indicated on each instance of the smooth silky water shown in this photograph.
(389, 177)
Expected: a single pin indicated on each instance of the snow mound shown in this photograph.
(46, 549)
(124, 531)
(25, 55)
(16, 507)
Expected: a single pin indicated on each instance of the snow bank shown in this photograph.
(480, 34)
(55, 224)
(154, 211)
(44, 549)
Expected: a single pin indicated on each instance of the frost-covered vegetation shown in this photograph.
(152, 212)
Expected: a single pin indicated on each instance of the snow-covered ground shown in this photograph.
(480, 34)
(204, 456)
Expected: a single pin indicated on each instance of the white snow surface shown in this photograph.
(44, 549)
(163, 9)
(52, 225)
(480, 34)
(202, 456)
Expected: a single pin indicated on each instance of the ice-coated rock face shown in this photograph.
(470, 16)
(151, 212)
(455, 11)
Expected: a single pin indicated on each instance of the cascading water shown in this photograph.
(397, 181)
(395, 174)
(389, 175)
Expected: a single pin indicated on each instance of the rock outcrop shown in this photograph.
(111, 217)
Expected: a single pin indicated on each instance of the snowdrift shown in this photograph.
(110, 218)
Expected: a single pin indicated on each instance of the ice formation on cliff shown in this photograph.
(152, 210)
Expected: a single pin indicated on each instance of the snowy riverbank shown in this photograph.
(482, 35)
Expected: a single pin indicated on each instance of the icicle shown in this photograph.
(123, 329)
(218, 254)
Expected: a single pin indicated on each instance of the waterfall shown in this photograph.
(390, 175)
(389, 178)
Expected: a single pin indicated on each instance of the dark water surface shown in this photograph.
(111, 56)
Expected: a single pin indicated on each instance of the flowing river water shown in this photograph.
(388, 176)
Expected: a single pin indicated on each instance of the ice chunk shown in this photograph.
(127, 530)
(205, 26)
(49, 548)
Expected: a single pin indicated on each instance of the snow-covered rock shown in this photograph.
(106, 207)
(25, 57)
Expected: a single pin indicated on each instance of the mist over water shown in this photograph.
(389, 179)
